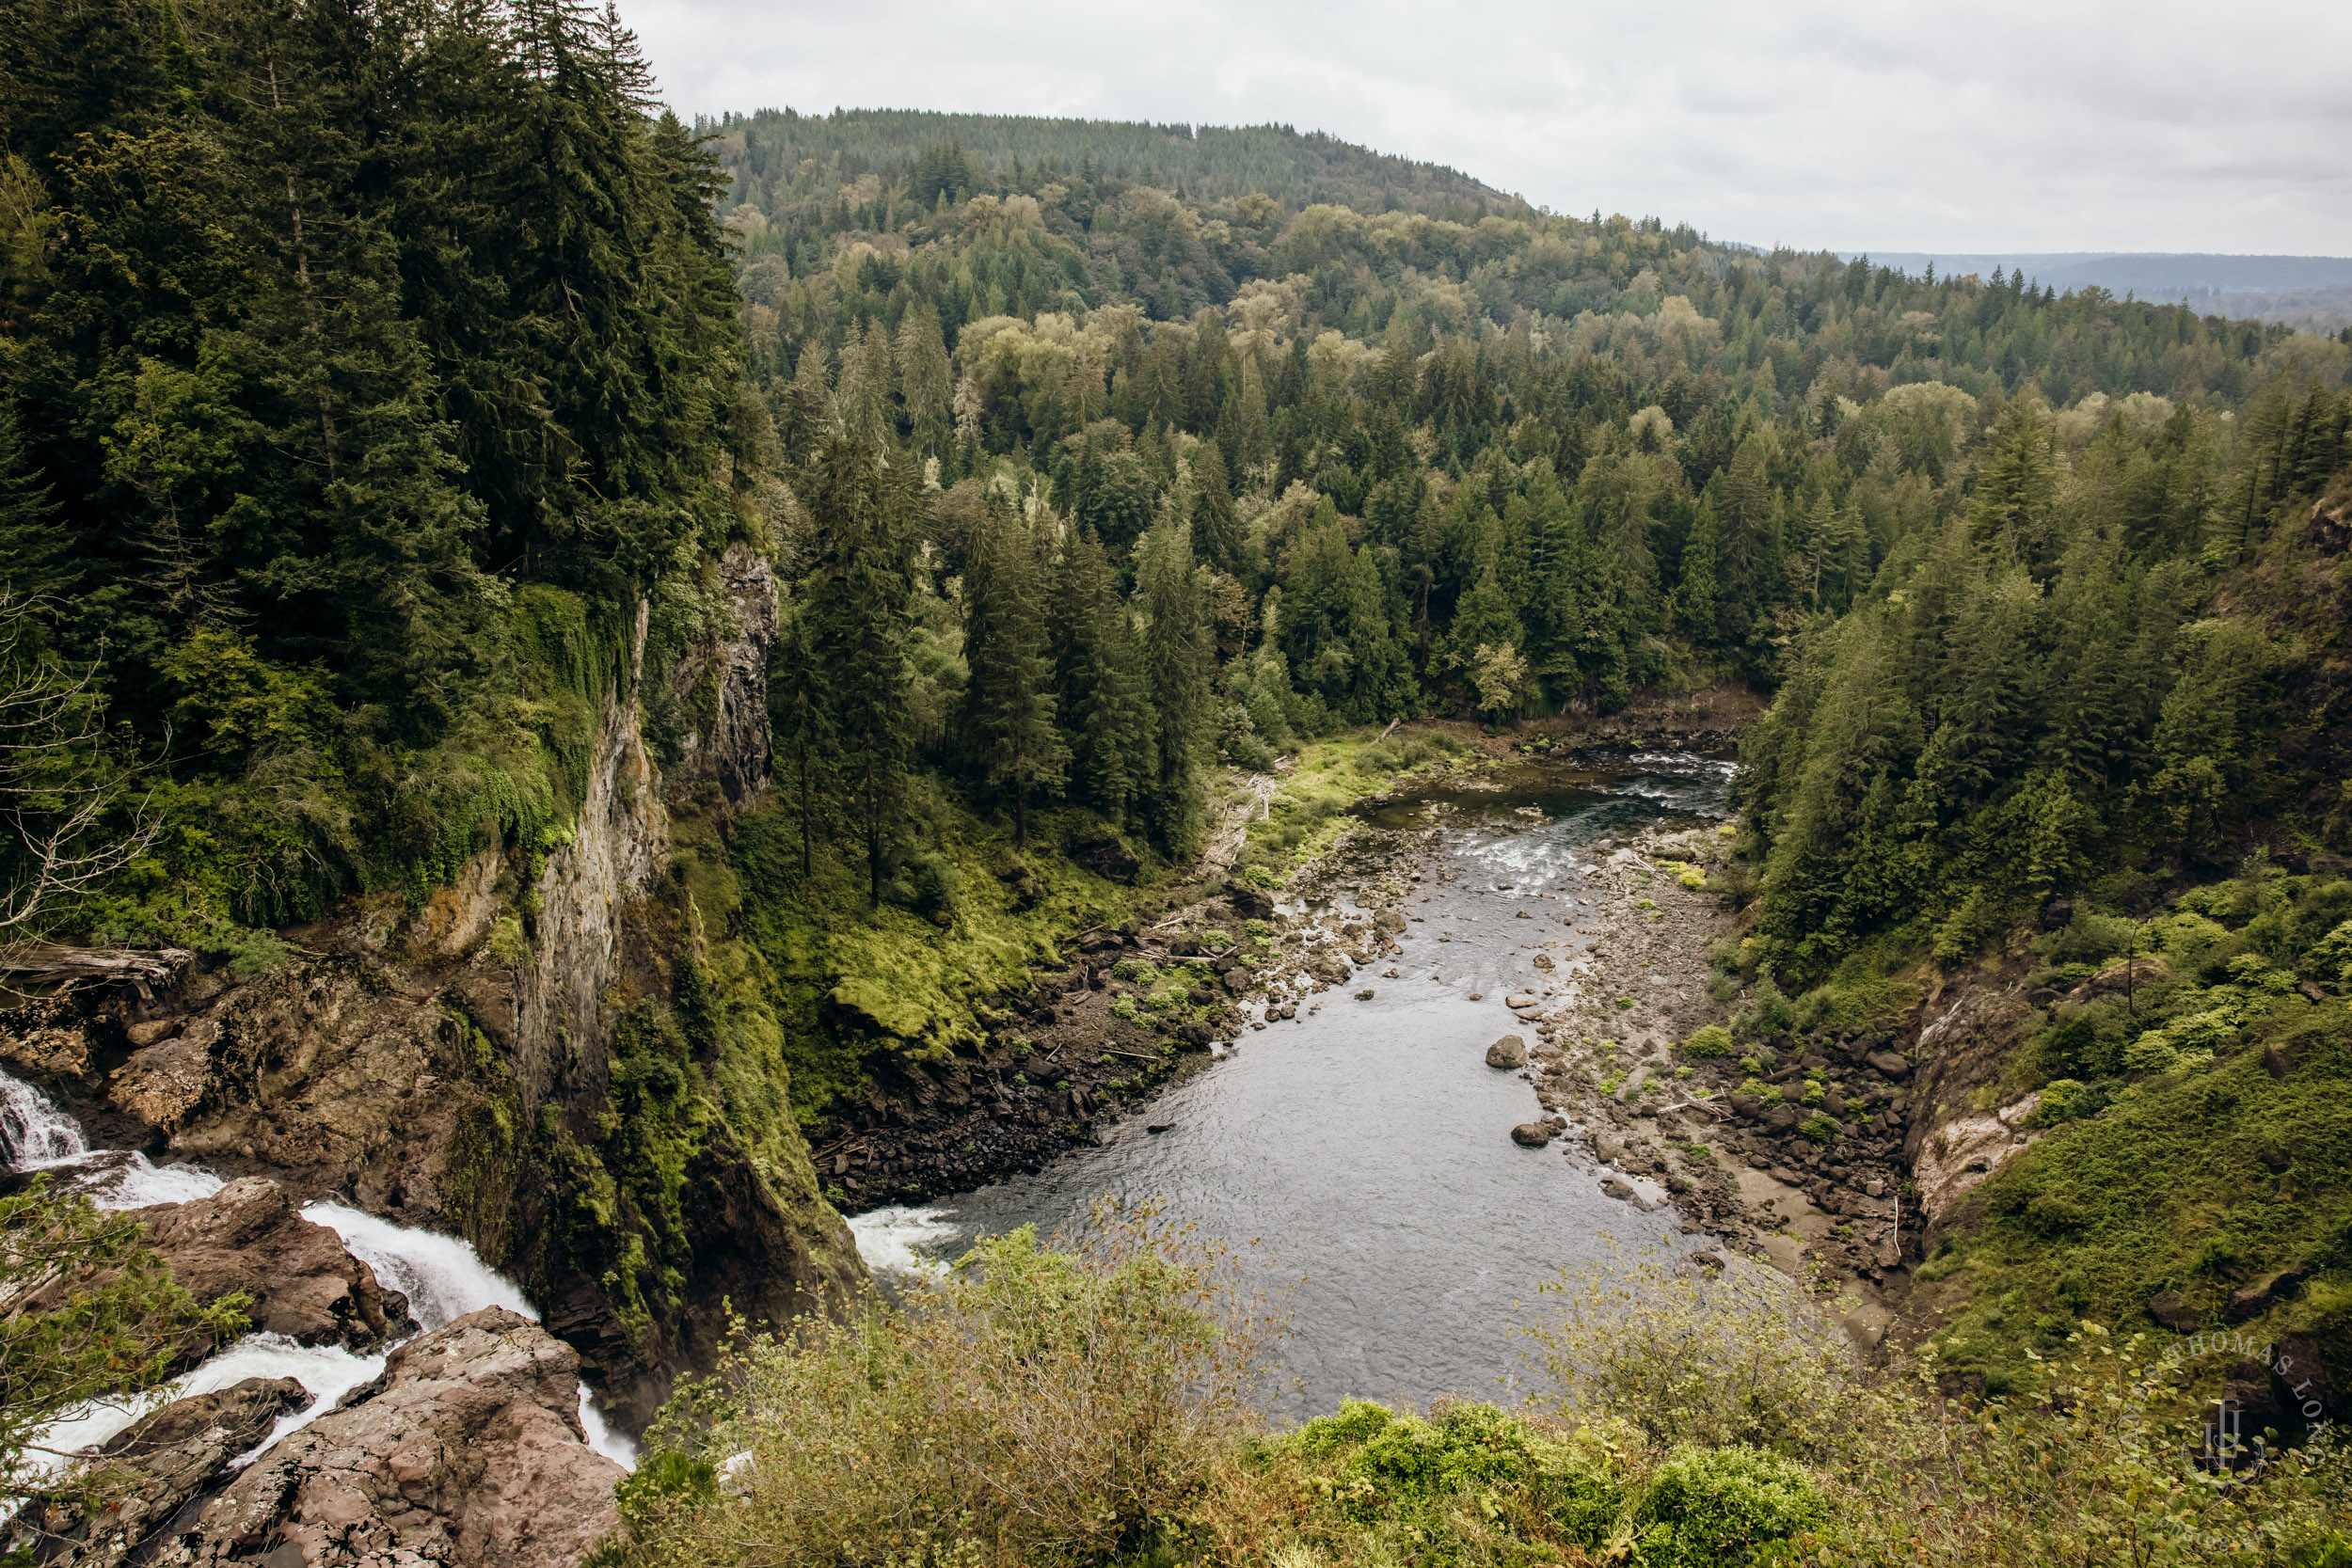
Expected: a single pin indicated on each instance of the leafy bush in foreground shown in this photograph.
(1092, 1406)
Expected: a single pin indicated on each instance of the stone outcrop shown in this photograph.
(148, 1473)
(249, 1237)
(1508, 1051)
(468, 1450)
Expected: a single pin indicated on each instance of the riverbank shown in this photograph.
(1131, 1007)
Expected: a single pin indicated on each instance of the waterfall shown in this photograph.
(442, 1276)
(33, 1134)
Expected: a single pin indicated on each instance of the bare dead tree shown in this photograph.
(72, 813)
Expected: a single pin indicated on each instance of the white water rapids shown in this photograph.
(441, 1275)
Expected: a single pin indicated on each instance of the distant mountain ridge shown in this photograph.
(2152, 275)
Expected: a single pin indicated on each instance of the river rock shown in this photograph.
(1330, 969)
(1619, 1188)
(1608, 1148)
(1508, 1051)
(249, 1237)
(163, 1460)
(1531, 1135)
(1521, 999)
(1889, 1064)
(2174, 1312)
(467, 1450)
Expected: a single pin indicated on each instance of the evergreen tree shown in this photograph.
(1011, 699)
(801, 711)
(1099, 682)
(33, 563)
(921, 353)
(1179, 660)
(1214, 523)
(858, 607)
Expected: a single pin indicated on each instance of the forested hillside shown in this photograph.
(364, 370)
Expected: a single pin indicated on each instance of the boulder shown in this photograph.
(1104, 854)
(2170, 1310)
(164, 1083)
(467, 1450)
(1888, 1062)
(2276, 1286)
(249, 1237)
(1619, 1188)
(1521, 999)
(1746, 1104)
(1608, 1148)
(1780, 1118)
(1508, 1051)
(1531, 1135)
(1330, 969)
(159, 1462)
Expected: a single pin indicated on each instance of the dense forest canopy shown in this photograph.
(366, 363)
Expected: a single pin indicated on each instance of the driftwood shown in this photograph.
(41, 962)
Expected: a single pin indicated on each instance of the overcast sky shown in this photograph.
(1970, 126)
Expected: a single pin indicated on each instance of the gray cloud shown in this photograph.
(1978, 127)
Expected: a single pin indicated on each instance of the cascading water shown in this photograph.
(36, 1135)
(442, 1276)
(33, 1132)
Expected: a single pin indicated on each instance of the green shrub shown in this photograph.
(1141, 972)
(1724, 1508)
(1033, 1407)
(1818, 1128)
(1708, 1043)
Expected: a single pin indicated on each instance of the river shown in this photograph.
(1365, 1144)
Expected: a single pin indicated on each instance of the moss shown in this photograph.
(846, 981)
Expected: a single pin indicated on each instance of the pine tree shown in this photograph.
(862, 401)
(33, 559)
(858, 599)
(2016, 483)
(1214, 522)
(921, 353)
(800, 712)
(1010, 700)
(1179, 660)
(1098, 679)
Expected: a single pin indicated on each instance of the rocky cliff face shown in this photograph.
(450, 1065)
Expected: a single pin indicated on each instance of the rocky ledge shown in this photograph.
(249, 1239)
(467, 1450)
